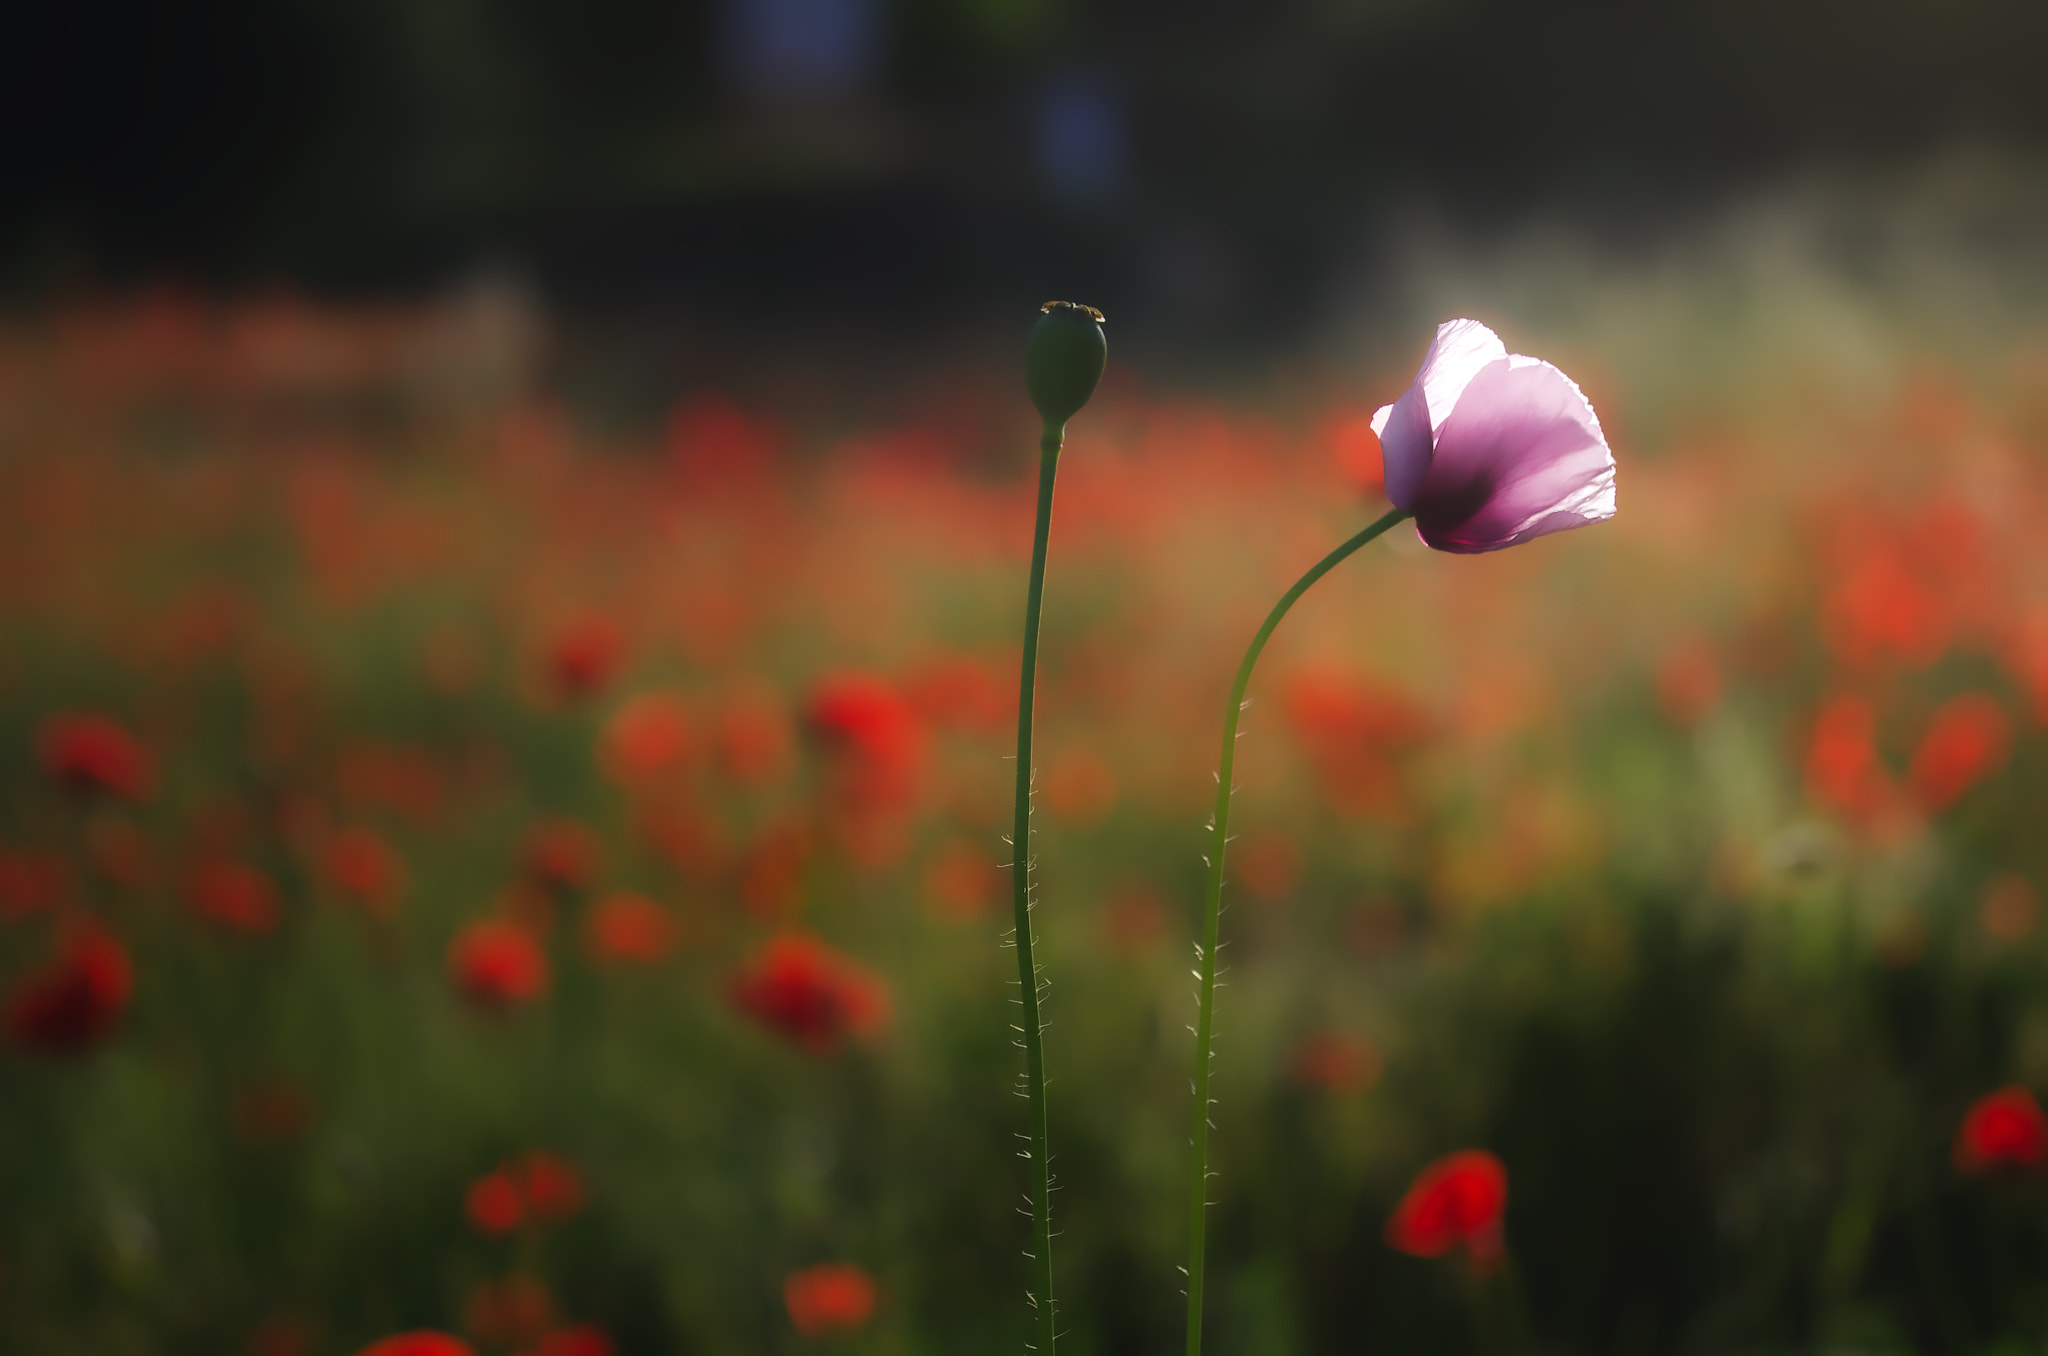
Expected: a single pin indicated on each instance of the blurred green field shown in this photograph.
(1690, 863)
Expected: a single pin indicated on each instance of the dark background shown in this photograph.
(930, 157)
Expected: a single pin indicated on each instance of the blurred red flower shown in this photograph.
(1335, 1062)
(1356, 731)
(873, 735)
(964, 693)
(628, 929)
(1354, 448)
(30, 883)
(646, 737)
(960, 880)
(719, 450)
(563, 855)
(270, 1111)
(772, 876)
(810, 993)
(497, 964)
(544, 1186)
(585, 1339)
(1078, 786)
(584, 656)
(364, 868)
(2007, 908)
(1969, 737)
(93, 755)
(421, 1343)
(510, 1312)
(1456, 1202)
(234, 895)
(494, 1203)
(753, 741)
(120, 852)
(396, 777)
(1133, 917)
(1268, 865)
(281, 1336)
(2003, 1129)
(73, 1002)
(1688, 683)
(1881, 603)
(1842, 768)
(831, 1297)
(553, 1186)
(875, 749)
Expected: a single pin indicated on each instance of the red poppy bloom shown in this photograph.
(93, 755)
(810, 993)
(497, 964)
(236, 896)
(1456, 1202)
(75, 1000)
(831, 1297)
(364, 868)
(584, 657)
(1968, 738)
(494, 1203)
(552, 1185)
(585, 1339)
(628, 929)
(2004, 1129)
(647, 736)
(563, 855)
(421, 1343)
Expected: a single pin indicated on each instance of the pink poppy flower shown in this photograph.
(1490, 449)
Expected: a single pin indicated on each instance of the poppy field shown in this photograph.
(475, 863)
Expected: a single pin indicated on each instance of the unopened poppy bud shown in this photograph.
(1064, 359)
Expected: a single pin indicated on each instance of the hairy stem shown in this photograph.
(1212, 907)
(1020, 883)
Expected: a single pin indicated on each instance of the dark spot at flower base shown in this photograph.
(1444, 512)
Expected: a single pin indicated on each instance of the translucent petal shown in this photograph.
(1521, 455)
(1458, 353)
(1405, 441)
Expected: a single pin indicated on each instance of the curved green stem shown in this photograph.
(1020, 883)
(1198, 1134)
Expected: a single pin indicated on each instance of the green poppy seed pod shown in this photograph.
(1064, 360)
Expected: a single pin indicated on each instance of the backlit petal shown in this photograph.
(1521, 455)
(1460, 351)
(1405, 441)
